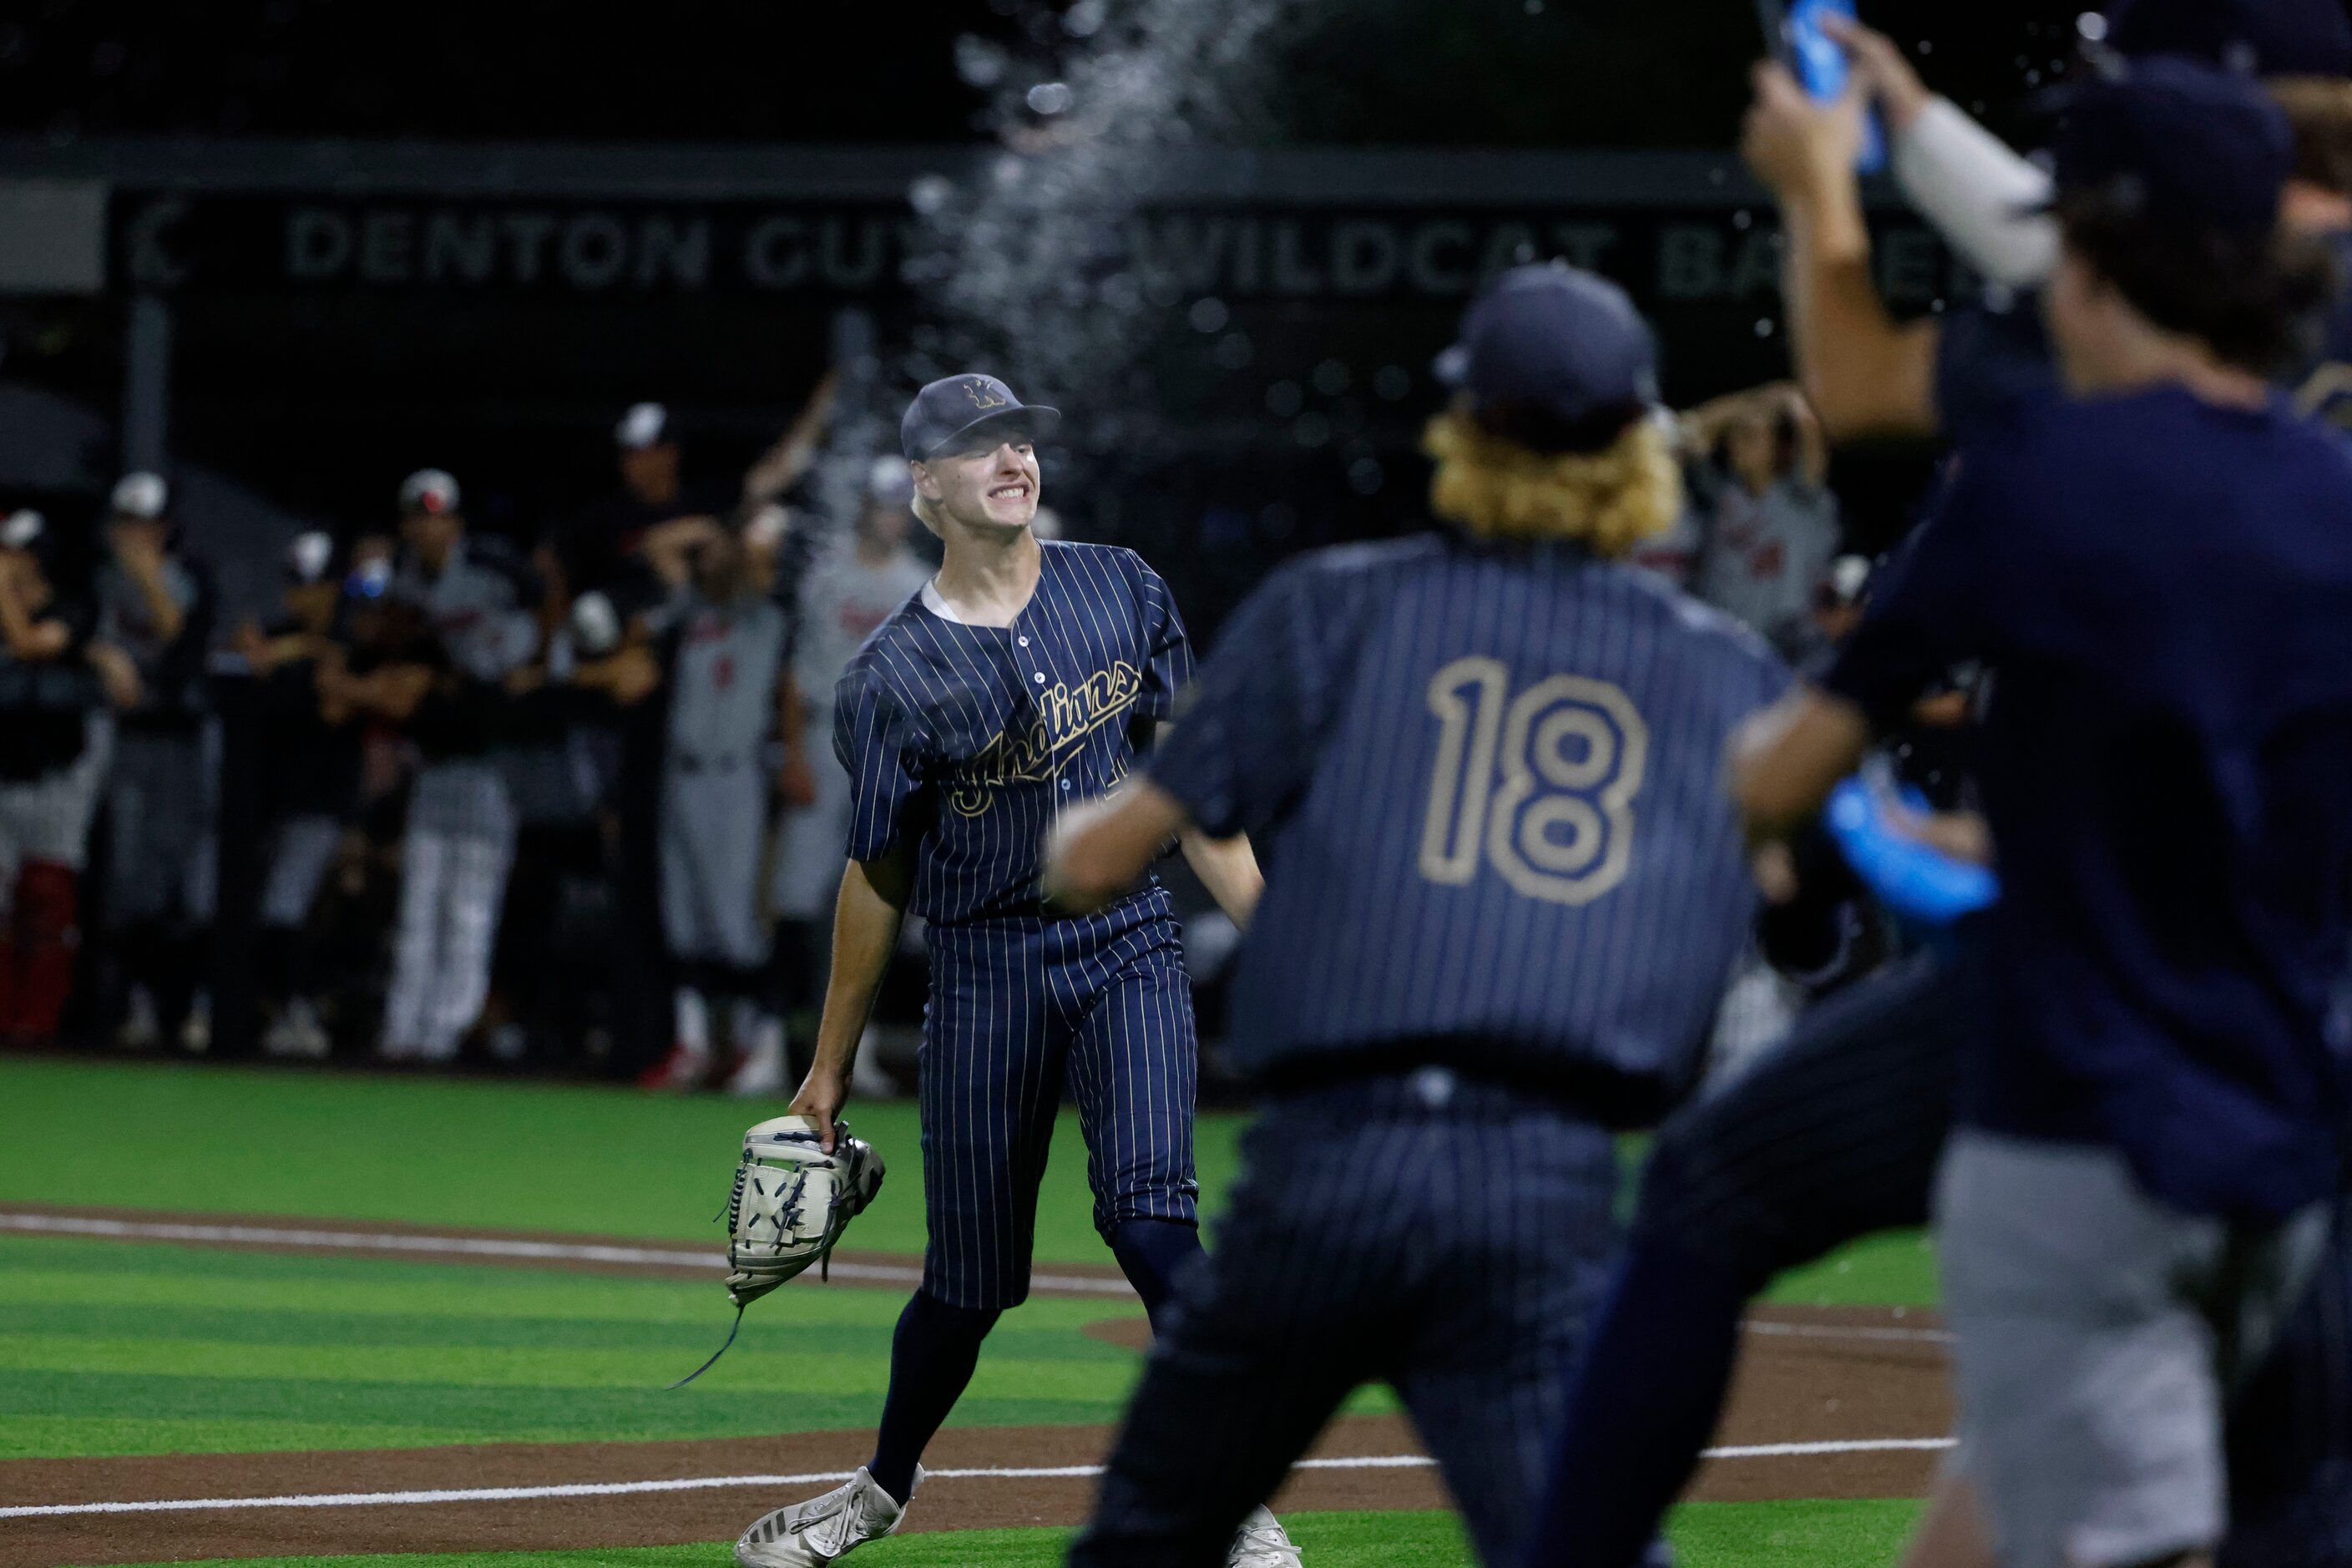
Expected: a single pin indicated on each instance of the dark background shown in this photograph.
(322, 400)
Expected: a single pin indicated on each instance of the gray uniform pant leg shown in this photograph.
(710, 829)
(813, 841)
(2095, 1331)
(301, 852)
(453, 864)
(159, 810)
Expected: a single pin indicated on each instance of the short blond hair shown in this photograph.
(1609, 501)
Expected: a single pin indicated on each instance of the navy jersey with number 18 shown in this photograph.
(1488, 784)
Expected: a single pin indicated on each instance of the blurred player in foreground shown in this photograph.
(2158, 570)
(1507, 890)
(1836, 1133)
(1019, 682)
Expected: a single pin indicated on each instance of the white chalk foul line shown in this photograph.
(814, 1478)
(477, 1247)
(1849, 1331)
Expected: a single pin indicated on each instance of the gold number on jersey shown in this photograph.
(1557, 825)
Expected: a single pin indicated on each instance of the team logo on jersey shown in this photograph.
(1031, 753)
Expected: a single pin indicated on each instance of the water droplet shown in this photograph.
(1082, 20)
(930, 192)
(1535, 7)
(1284, 399)
(2091, 27)
(1234, 350)
(1927, 45)
(1331, 378)
(1208, 315)
(1741, 219)
(1764, 327)
(978, 61)
(1278, 521)
(1392, 381)
(1364, 476)
(1050, 98)
(1311, 431)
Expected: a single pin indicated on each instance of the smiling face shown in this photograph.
(983, 491)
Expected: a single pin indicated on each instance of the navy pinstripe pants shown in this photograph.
(1441, 1235)
(1019, 1005)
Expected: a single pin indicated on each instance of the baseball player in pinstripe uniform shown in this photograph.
(726, 690)
(1506, 889)
(472, 602)
(1018, 683)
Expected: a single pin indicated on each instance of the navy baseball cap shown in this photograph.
(2252, 38)
(2180, 142)
(1555, 358)
(949, 413)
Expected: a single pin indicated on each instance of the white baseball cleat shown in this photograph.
(1262, 1543)
(813, 1533)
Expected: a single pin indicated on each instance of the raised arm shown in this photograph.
(1863, 372)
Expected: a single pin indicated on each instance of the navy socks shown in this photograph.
(932, 1359)
(937, 1346)
(1153, 1253)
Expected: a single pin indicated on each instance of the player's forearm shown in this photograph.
(864, 933)
(1863, 372)
(28, 638)
(165, 615)
(1099, 849)
(1785, 760)
(1228, 868)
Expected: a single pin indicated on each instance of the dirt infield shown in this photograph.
(1827, 1376)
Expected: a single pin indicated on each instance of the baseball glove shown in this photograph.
(789, 1206)
(792, 1201)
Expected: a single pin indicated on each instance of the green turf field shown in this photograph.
(107, 1349)
(1825, 1534)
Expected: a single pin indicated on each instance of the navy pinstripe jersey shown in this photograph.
(964, 741)
(1487, 783)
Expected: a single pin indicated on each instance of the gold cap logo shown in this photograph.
(983, 396)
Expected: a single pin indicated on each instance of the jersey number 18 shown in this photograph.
(1541, 784)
